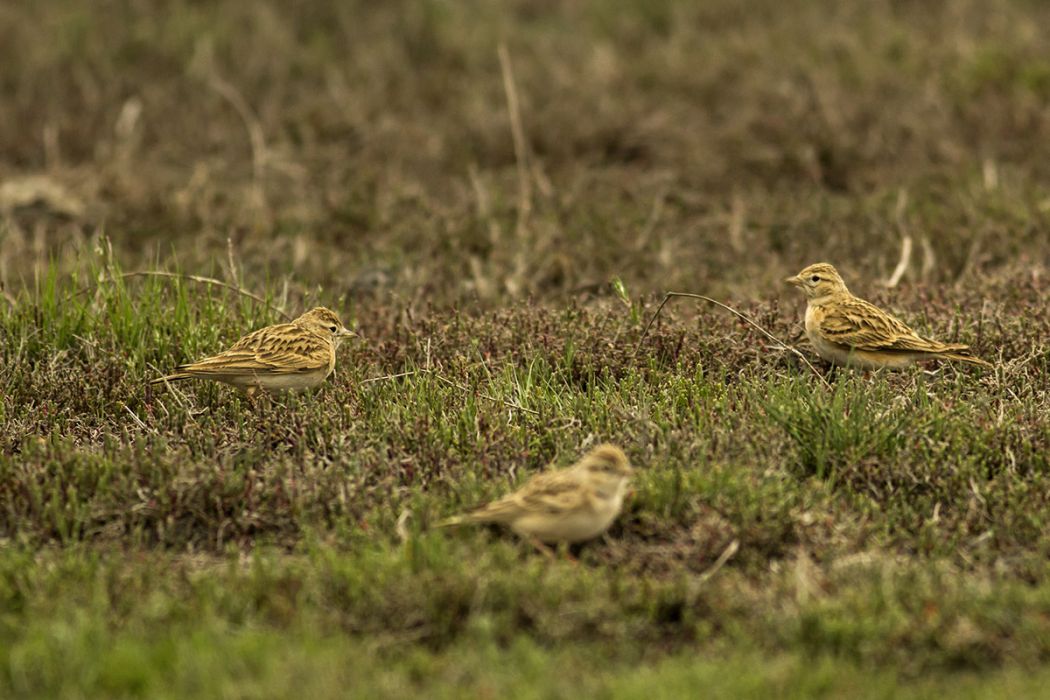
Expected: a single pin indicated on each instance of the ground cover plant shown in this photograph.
(496, 197)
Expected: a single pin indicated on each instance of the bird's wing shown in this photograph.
(554, 492)
(857, 324)
(261, 336)
(283, 349)
(550, 493)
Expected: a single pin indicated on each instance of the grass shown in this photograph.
(848, 534)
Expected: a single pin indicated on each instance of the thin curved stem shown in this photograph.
(743, 317)
(194, 278)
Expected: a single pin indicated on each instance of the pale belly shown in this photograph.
(576, 526)
(281, 382)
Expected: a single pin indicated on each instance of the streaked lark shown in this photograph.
(562, 506)
(846, 330)
(296, 355)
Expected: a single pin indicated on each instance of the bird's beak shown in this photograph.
(794, 281)
(347, 333)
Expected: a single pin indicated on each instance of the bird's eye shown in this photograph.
(815, 278)
(333, 328)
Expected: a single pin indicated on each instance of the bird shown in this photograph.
(848, 331)
(563, 506)
(296, 355)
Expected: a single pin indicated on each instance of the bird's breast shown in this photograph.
(814, 317)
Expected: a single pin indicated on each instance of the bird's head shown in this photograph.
(607, 463)
(818, 280)
(325, 322)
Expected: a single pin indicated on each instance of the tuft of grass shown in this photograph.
(847, 425)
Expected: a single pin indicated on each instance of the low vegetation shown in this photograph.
(497, 198)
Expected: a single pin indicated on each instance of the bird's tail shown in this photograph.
(171, 378)
(964, 356)
(456, 521)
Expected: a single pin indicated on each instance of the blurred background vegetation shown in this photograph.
(369, 147)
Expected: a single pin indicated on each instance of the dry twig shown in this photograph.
(743, 317)
(518, 133)
(905, 259)
(725, 556)
(191, 278)
(255, 133)
(902, 264)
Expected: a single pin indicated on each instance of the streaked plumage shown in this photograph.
(295, 355)
(567, 505)
(846, 330)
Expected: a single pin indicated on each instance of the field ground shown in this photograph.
(465, 183)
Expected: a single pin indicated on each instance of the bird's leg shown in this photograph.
(258, 399)
(565, 549)
(547, 551)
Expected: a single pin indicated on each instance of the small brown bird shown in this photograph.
(846, 330)
(296, 355)
(566, 505)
